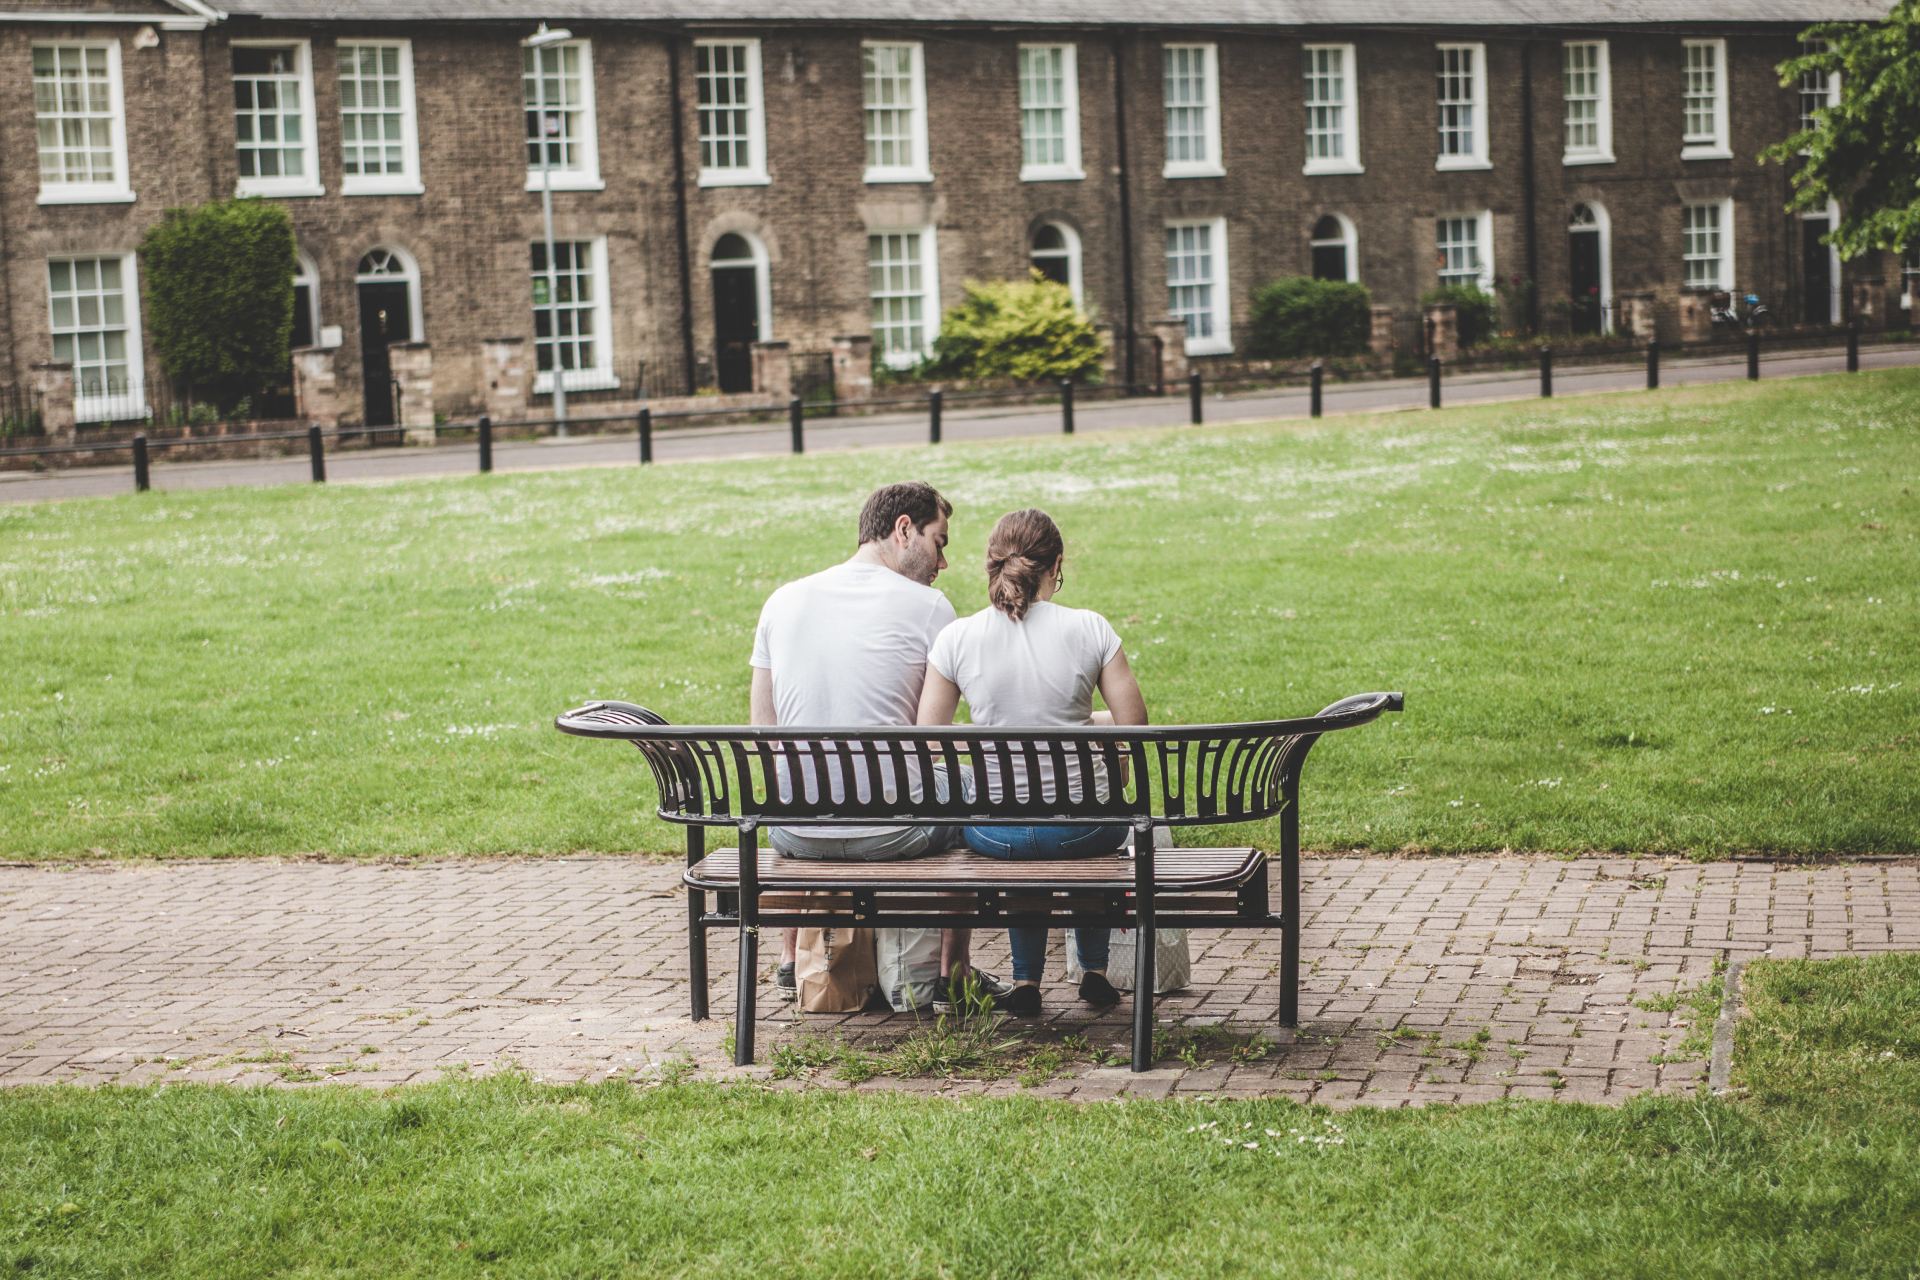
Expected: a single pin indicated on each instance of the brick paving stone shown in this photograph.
(573, 969)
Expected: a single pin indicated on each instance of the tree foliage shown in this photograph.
(1301, 316)
(219, 286)
(1027, 330)
(1864, 151)
(1476, 314)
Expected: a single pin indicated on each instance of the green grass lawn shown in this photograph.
(1814, 1171)
(1681, 621)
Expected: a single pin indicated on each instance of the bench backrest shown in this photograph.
(1174, 775)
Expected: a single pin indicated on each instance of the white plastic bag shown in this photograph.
(909, 963)
(1172, 960)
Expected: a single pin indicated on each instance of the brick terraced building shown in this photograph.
(728, 178)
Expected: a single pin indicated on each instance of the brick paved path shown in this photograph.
(255, 971)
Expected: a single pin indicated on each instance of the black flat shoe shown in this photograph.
(1096, 990)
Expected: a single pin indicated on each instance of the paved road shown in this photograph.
(267, 971)
(457, 456)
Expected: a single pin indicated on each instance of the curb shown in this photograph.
(1720, 1068)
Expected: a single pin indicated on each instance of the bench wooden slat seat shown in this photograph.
(1137, 776)
(1173, 870)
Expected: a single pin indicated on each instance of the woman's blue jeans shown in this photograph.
(1020, 844)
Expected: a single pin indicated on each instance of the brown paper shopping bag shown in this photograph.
(835, 970)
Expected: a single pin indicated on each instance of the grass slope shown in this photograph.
(1815, 1172)
(1672, 622)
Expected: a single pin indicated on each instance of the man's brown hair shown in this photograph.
(915, 499)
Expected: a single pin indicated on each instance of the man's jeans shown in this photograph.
(1022, 844)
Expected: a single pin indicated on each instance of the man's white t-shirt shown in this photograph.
(1040, 671)
(848, 647)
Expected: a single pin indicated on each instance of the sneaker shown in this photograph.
(1021, 1002)
(1096, 990)
(784, 984)
(989, 986)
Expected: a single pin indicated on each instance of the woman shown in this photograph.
(1026, 661)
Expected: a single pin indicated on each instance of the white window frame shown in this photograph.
(601, 376)
(1211, 165)
(929, 293)
(1603, 227)
(1725, 278)
(308, 275)
(586, 177)
(1910, 279)
(132, 404)
(1700, 146)
(120, 189)
(1829, 93)
(1602, 150)
(1069, 252)
(1349, 241)
(1475, 101)
(762, 265)
(407, 181)
(307, 182)
(1220, 307)
(754, 172)
(1483, 246)
(1069, 169)
(919, 169)
(1348, 106)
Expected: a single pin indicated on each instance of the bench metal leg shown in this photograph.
(697, 952)
(1290, 910)
(1143, 946)
(743, 1007)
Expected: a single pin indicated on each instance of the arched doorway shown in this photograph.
(1589, 270)
(1819, 268)
(740, 309)
(389, 285)
(1055, 254)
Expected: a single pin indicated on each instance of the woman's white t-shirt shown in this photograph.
(1038, 672)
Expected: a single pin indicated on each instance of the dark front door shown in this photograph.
(736, 325)
(384, 319)
(1583, 276)
(1816, 272)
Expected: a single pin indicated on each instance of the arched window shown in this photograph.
(389, 264)
(306, 302)
(1055, 254)
(1335, 255)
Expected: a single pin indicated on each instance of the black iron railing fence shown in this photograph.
(140, 449)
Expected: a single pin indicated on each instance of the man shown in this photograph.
(848, 646)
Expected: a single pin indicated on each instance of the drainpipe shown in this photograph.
(674, 45)
(1528, 194)
(1126, 209)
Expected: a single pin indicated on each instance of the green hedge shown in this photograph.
(1478, 313)
(1027, 330)
(219, 297)
(1300, 316)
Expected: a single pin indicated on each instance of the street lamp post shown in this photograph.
(538, 42)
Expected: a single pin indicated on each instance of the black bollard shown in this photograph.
(1853, 346)
(315, 454)
(1193, 398)
(1653, 364)
(1546, 373)
(1433, 382)
(646, 436)
(142, 473)
(796, 417)
(1315, 375)
(1066, 406)
(1753, 356)
(935, 399)
(486, 444)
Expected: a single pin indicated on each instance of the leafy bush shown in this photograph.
(1300, 316)
(219, 284)
(1027, 330)
(1478, 314)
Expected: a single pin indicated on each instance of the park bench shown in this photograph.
(1174, 776)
